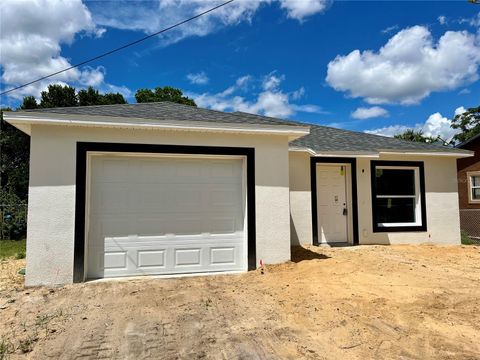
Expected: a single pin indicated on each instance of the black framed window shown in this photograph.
(398, 196)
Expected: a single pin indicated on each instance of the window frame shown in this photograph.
(420, 223)
(470, 174)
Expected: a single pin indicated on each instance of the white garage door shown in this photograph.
(165, 215)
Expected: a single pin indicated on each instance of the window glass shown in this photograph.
(397, 198)
(395, 181)
(476, 194)
(395, 210)
(475, 181)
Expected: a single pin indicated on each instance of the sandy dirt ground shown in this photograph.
(382, 302)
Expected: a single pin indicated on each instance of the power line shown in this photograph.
(119, 48)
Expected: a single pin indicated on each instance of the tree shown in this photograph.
(59, 96)
(166, 93)
(113, 98)
(468, 123)
(14, 154)
(91, 96)
(14, 159)
(416, 136)
(29, 102)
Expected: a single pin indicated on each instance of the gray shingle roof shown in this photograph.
(163, 111)
(324, 139)
(329, 139)
(320, 139)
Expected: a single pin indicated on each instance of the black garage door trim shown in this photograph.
(81, 179)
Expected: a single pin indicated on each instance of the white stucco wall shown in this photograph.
(51, 217)
(441, 196)
(443, 224)
(300, 198)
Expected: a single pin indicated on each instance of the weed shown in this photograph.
(26, 345)
(208, 303)
(20, 255)
(5, 348)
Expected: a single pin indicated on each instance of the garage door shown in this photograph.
(165, 215)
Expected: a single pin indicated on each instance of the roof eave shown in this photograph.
(376, 154)
(24, 121)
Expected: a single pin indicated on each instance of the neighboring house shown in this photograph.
(469, 188)
(163, 188)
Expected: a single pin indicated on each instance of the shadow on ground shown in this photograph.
(299, 253)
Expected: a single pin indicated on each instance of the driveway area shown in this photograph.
(383, 302)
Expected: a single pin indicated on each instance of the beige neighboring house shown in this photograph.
(169, 189)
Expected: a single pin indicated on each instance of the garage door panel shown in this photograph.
(112, 170)
(166, 216)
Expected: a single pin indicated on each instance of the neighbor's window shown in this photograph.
(397, 196)
(474, 186)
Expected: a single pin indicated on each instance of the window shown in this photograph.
(474, 187)
(398, 196)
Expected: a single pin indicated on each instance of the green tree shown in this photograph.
(166, 93)
(468, 123)
(416, 136)
(91, 96)
(113, 98)
(29, 102)
(14, 159)
(59, 96)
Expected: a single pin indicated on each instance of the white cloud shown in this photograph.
(301, 9)
(442, 19)
(270, 101)
(460, 110)
(368, 113)
(198, 78)
(31, 44)
(390, 29)
(435, 125)
(408, 67)
(298, 94)
(92, 77)
(464, 92)
(473, 21)
(153, 16)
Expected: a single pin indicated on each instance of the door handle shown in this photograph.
(345, 211)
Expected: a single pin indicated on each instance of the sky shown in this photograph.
(379, 66)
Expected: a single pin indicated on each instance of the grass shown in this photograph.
(467, 240)
(12, 248)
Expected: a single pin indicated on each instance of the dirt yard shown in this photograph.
(382, 302)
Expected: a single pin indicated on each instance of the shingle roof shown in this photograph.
(162, 111)
(329, 139)
(464, 144)
(320, 139)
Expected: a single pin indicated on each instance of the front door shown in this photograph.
(332, 203)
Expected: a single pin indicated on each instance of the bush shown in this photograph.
(13, 216)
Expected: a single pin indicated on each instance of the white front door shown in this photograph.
(332, 203)
(165, 215)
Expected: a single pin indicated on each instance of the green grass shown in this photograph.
(12, 248)
(467, 240)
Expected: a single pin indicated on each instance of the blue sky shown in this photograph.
(310, 60)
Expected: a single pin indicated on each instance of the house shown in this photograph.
(469, 187)
(163, 188)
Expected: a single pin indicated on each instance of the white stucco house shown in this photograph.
(163, 188)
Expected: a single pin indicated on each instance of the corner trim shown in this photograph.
(382, 229)
(313, 183)
(81, 180)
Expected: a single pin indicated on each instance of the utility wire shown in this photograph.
(119, 48)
